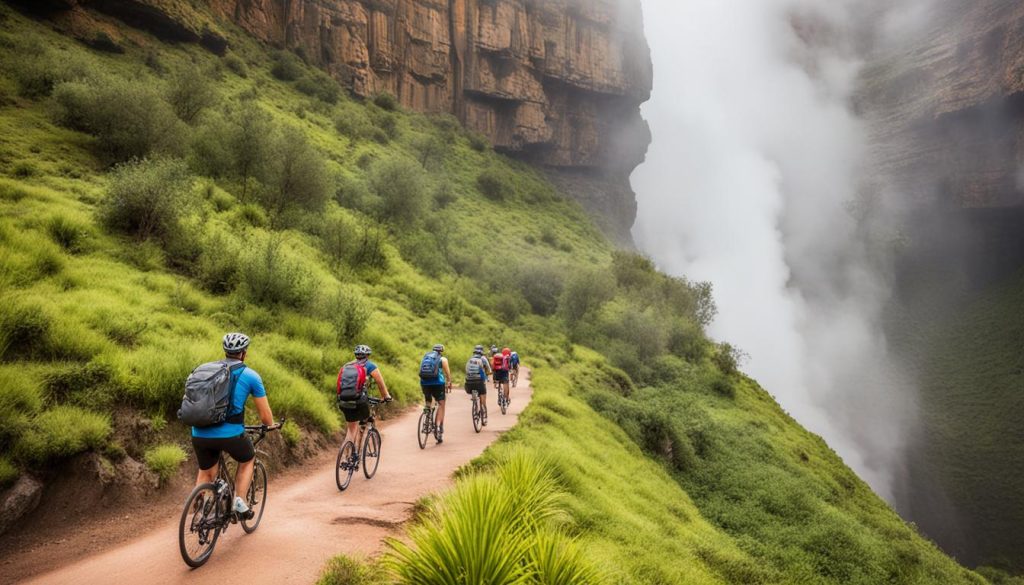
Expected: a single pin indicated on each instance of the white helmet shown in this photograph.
(235, 342)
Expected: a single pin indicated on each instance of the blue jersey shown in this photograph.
(248, 382)
(439, 380)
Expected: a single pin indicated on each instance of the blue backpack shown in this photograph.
(430, 367)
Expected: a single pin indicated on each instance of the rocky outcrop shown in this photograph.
(18, 501)
(948, 108)
(557, 82)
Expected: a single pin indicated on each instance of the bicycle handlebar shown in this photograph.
(262, 429)
(376, 401)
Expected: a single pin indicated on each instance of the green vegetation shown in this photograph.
(275, 205)
(164, 460)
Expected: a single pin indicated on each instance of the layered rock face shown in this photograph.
(558, 82)
(948, 109)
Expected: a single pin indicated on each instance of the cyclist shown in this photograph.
(499, 363)
(513, 364)
(361, 409)
(435, 380)
(477, 369)
(229, 436)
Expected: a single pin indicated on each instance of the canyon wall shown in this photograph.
(556, 82)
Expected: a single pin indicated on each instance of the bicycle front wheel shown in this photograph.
(371, 452)
(199, 527)
(346, 465)
(423, 431)
(503, 403)
(256, 498)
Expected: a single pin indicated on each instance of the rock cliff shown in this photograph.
(557, 82)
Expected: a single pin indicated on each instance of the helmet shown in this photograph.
(478, 350)
(515, 354)
(506, 351)
(494, 349)
(363, 350)
(235, 342)
(439, 348)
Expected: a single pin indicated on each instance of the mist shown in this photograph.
(756, 161)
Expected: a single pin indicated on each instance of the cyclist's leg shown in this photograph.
(241, 450)
(440, 397)
(351, 431)
(208, 457)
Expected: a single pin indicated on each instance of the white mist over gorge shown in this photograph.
(756, 157)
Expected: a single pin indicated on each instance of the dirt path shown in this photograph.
(307, 520)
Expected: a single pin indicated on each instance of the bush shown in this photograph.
(348, 312)
(287, 66)
(344, 570)
(164, 460)
(586, 291)
(495, 184)
(339, 238)
(148, 198)
(633, 270)
(236, 65)
(273, 276)
(353, 121)
(386, 124)
(8, 473)
(430, 149)
(728, 359)
(190, 92)
(296, 174)
(424, 251)
(24, 329)
(68, 233)
(478, 142)
(319, 85)
(62, 432)
(386, 101)
(20, 398)
(217, 268)
(400, 184)
(237, 144)
(128, 118)
(541, 285)
(37, 70)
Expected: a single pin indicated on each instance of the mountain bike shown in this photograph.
(503, 400)
(428, 425)
(349, 457)
(513, 376)
(208, 510)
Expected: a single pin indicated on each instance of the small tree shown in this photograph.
(400, 184)
(147, 198)
(296, 174)
(190, 92)
(586, 290)
(430, 149)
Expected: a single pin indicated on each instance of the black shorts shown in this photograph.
(435, 392)
(208, 450)
(501, 375)
(358, 414)
(480, 386)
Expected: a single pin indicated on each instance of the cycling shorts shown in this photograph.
(480, 386)
(501, 375)
(208, 450)
(433, 391)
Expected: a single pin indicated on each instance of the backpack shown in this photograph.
(498, 362)
(430, 367)
(513, 360)
(351, 384)
(474, 369)
(208, 392)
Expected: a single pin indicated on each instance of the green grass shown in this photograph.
(164, 460)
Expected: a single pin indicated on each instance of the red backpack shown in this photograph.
(498, 362)
(351, 381)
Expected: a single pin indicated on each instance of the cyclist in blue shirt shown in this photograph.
(435, 389)
(229, 436)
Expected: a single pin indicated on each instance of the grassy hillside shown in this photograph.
(156, 196)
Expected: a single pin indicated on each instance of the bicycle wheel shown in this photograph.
(503, 403)
(199, 527)
(345, 466)
(515, 378)
(256, 498)
(477, 415)
(423, 431)
(371, 452)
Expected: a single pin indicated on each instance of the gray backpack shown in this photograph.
(208, 391)
(474, 369)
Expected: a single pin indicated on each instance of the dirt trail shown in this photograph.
(307, 520)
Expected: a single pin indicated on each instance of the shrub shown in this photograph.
(586, 291)
(633, 270)
(541, 285)
(430, 149)
(273, 276)
(24, 169)
(190, 92)
(164, 460)
(385, 122)
(399, 182)
(353, 121)
(20, 398)
(495, 184)
(61, 432)
(728, 359)
(445, 195)
(348, 312)
(24, 329)
(478, 142)
(8, 473)
(386, 101)
(296, 174)
(236, 65)
(424, 251)
(339, 238)
(237, 144)
(37, 70)
(344, 570)
(287, 66)
(68, 233)
(148, 198)
(319, 85)
(217, 268)
(128, 118)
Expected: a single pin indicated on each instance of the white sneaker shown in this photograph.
(240, 506)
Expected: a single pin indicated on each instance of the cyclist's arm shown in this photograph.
(263, 408)
(487, 364)
(447, 373)
(379, 379)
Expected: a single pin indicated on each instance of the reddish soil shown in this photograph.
(306, 522)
